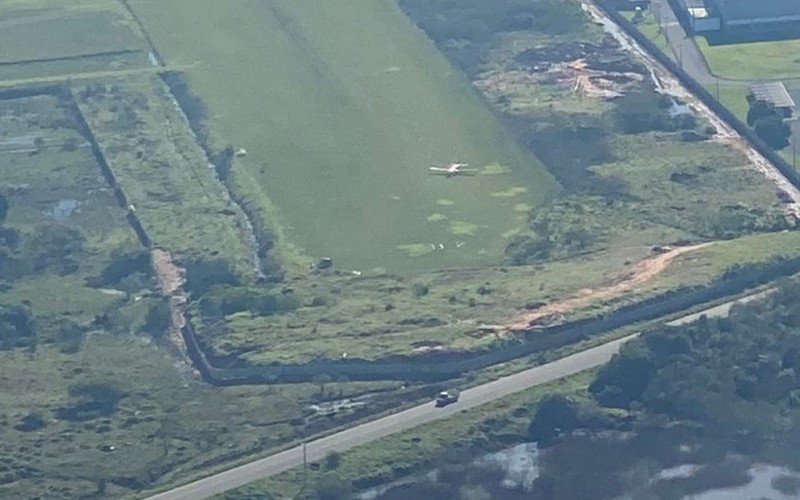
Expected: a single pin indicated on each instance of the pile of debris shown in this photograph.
(595, 70)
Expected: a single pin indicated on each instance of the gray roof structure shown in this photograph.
(736, 12)
(774, 92)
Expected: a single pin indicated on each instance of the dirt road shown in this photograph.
(640, 274)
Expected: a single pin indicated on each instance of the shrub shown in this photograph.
(16, 327)
(3, 208)
(419, 290)
(201, 275)
(123, 265)
(55, 247)
(158, 318)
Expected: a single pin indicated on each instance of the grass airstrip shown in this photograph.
(342, 107)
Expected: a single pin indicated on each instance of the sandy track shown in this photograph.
(170, 278)
(640, 274)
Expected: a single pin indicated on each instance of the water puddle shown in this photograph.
(63, 209)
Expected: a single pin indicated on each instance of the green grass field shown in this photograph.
(753, 61)
(342, 108)
(41, 38)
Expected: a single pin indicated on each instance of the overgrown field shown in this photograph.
(164, 173)
(635, 178)
(63, 225)
(342, 107)
(46, 37)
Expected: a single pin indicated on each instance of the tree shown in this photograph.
(333, 460)
(768, 123)
(122, 265)
(56, 247)
(759, 110)
(554, 415)
(638, 112)
(201, 275)
(16, 327)
(624, 379)
(332, 487)
(774, 131)
(158, 318)
(3, 208)
(321, 380)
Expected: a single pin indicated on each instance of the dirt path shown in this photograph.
(170, 278)
(640, 274)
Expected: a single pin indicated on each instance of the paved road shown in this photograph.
(414, 417)
(688, 55)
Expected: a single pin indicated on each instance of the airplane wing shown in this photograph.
(437, 169)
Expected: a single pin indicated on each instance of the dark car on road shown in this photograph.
(445, 398)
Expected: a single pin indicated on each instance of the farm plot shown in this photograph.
(46, 38)
(164, 173)
(342, 107)
(59, 203)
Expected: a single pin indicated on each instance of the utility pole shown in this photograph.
(305, 467)
(717, 89)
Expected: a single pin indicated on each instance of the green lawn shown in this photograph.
(753, 61)
(342, 107)
(733, 97)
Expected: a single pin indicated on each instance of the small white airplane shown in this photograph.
(453, 169)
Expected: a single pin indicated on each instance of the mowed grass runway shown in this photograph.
(342, 107)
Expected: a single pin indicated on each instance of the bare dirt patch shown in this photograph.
(640, 274)
(170, 278)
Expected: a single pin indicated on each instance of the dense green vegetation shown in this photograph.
(691, 394)
(63, 234)
(632, 166)
(767, 121)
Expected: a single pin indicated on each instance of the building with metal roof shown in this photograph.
(733, 15)
(775, 93)
(756, 13)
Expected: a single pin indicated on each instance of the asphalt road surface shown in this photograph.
(683, 45)
(414, 417)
